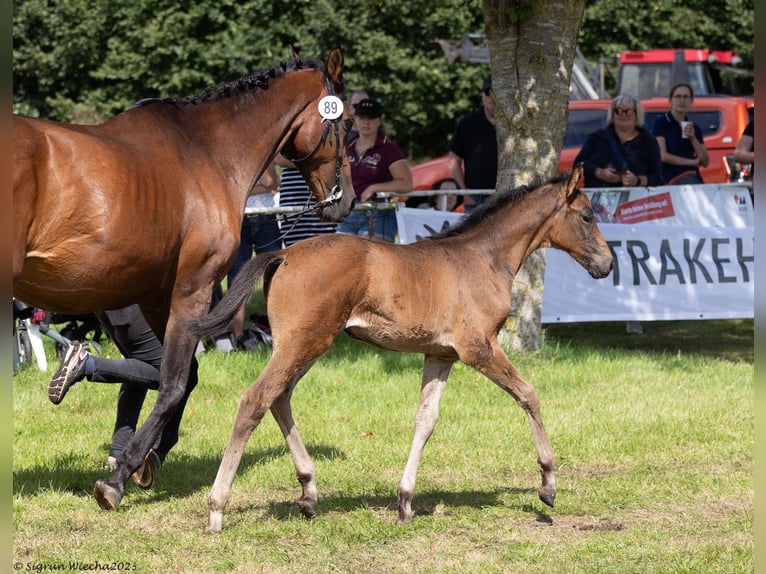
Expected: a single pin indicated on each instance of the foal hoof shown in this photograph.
(308, 508)
(107, 496)
(547, 495)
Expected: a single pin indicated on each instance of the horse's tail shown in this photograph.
(239, 292)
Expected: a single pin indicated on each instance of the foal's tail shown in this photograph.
(240, 291)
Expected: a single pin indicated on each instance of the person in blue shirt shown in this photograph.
(682, 147)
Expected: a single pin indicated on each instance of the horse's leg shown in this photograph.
(501, 371)
(178, 353)
(255, 401)
(435, 373)
(305, 470)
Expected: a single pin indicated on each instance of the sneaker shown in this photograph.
(147, 473)
(224, 344)
(71, 370)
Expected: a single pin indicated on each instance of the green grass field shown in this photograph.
(653, 436)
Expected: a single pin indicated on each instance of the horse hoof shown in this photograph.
(308, 508)
(147, 473)
(547, 495)
(107, 496)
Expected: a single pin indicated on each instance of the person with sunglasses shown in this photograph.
(682, 147)
(348, 111)
(624, 153)
(472, 156)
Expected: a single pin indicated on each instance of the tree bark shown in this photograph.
(532, 45)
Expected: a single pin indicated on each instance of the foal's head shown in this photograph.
(556, 213)
(573, 228)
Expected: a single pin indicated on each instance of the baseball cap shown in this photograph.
(369, 108)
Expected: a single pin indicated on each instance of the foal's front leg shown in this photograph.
(502, 372)
(435, 373)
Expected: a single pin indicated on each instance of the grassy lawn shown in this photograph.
(653, 435)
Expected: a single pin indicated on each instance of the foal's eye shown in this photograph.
(587, 216)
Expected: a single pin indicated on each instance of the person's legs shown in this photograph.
(385, 225)
(354, 224)
(129, 370)
(139, 371)
(129, 404)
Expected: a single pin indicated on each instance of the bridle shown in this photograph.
(330, 126)
(336, 193)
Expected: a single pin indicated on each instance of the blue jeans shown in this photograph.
(358, 223)
(477, 201)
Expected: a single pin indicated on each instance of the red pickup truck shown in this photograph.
(722, 119)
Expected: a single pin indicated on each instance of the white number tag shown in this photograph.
(330, 107)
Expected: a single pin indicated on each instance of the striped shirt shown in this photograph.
(293, 191)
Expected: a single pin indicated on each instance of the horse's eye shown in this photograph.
(587, 216)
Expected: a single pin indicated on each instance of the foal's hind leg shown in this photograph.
(435, 373)
(304, 467)
(504, 374)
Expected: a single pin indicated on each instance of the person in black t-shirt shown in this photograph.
(473, 149)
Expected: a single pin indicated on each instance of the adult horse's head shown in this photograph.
(317, 145)
(575, 230)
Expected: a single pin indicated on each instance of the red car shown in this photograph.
(722, 119)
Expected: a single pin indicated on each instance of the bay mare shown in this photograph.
(446, 297)
(147, 208)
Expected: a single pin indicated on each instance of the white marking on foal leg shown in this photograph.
(435, 373)
(304, 467)
(252, 407)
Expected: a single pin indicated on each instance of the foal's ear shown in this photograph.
(334, 67)
(293, 54)
(574, 180)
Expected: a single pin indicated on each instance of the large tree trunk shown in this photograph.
(532, 44)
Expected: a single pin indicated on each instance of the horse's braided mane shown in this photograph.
(495, 203)
(255, 81)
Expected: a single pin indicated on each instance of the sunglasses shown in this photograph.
(626, 112)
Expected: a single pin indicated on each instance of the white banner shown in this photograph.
(680, 252)
(660, 273)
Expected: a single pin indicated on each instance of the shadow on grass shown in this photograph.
(730, 340)
(185, 476)
(426, 503)
(181, 475)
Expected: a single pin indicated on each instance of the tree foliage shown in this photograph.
(86, 60)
